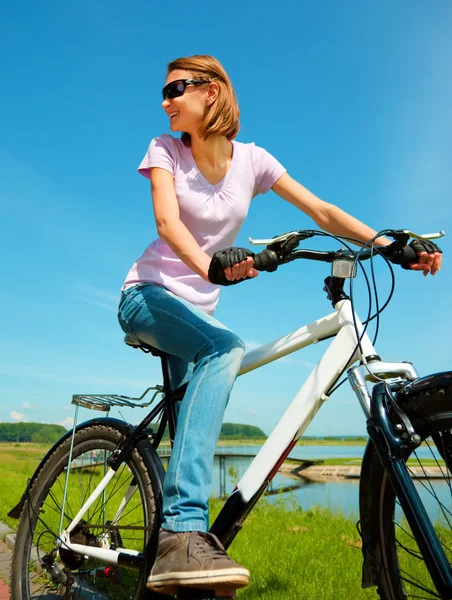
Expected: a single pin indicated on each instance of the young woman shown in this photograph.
(202, 185)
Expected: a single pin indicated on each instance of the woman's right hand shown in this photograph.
(241, 270)
(232, 265)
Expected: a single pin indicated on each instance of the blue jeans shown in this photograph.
(208, 355)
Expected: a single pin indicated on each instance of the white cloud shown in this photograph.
(73, 379)
(298, 361)
(252, 413)
(251, 345)
(17, 416)
(93, 295)
(68, 422)
(25, 405)
(105, 305)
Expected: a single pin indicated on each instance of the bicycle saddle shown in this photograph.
(134, 343)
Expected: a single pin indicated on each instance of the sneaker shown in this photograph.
(194, 559)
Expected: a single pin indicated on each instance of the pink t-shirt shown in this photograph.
(213, 214)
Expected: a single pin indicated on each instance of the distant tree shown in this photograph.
(44, 433)
(239, 430)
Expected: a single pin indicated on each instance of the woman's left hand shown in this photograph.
(429, 262)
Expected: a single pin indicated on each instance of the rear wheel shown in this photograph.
(124, 516)
(388, 543)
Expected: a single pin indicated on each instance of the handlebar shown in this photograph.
(281, 249)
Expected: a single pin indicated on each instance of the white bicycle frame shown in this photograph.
(341, 353)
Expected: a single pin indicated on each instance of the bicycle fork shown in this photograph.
(391, 450)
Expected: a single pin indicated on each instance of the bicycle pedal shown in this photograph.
(186, 593)
(224, 594)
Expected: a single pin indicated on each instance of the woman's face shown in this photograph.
(186, 112)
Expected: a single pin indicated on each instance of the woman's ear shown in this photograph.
(212, 93)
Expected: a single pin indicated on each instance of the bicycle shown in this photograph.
(90, 514)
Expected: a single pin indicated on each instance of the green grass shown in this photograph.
(301, 442)
(291, 554)
(299, 554)
(17, 464)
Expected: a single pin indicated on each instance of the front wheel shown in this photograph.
(125, 515)
(393, 560)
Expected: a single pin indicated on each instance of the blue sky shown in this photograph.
(354, 98)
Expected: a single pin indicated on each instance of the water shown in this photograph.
(336, 495)
(341, 495)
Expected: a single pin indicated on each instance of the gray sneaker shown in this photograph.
(194, 559)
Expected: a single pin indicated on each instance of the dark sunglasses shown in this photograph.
(177, 88)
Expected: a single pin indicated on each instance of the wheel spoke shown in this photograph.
(432, 492)
(114, 490)
(86, 577)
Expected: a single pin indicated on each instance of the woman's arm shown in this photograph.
(334, 220)
(169, 226)
(171, 229)
(327, 216)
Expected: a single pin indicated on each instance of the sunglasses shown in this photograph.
(177, 88)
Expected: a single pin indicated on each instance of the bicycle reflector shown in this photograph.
(343, 268)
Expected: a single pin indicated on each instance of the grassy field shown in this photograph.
(299, 554)
(302, 442)
(291, 554)
(17, 464)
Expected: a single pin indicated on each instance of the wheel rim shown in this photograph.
(87, 578)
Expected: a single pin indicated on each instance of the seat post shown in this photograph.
(170, 403)
(166, 373)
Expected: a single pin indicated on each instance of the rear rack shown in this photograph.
(105, 402)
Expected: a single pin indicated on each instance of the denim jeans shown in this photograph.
(208, 355)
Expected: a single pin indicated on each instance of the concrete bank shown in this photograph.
(340, 472)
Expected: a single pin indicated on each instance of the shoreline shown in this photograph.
(320, 472)
(344, 472)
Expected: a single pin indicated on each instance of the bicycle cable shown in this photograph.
(370, 244)
(369, 318)
(379, 310)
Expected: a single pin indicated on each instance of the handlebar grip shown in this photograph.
(267, 260)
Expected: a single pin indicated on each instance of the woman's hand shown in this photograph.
(241, 270)
(429, 262)
(232, 265)
(336, 221)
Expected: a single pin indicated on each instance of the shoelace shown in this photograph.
(206, 544)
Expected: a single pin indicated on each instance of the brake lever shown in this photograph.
(403, 235)
(284, 244)
(300, 235)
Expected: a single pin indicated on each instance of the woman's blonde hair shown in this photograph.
(222, 117)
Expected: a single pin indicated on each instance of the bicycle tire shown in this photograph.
(39, 522)
(392, 558)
